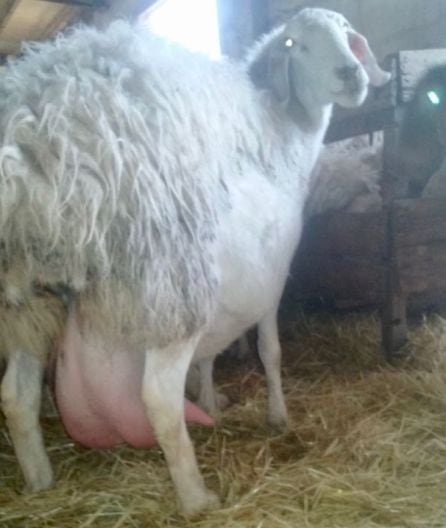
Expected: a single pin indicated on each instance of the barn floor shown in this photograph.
(367, 446)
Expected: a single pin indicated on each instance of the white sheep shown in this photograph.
(346, 177)
(167, 191)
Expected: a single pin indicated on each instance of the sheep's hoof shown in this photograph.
(199, 501)
(214, 405)
(223, 401)
(278, 424)
(41, 484)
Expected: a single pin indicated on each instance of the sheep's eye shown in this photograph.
(433, 97)
(290, 43)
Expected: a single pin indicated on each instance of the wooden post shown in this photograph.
(261, 22)
(240, 23)
(394, 308)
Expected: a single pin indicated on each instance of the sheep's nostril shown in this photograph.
(347, 72)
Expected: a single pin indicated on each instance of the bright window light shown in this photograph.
(434, 97)
(192, 23)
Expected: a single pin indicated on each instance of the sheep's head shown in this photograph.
(317, 56)
(422, 141)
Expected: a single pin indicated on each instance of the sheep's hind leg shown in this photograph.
(210, 399)
(271, 355)
(21, 394)
(163, 394)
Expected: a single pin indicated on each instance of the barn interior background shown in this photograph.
(367, 441)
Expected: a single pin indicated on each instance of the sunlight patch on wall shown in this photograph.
(192, 23)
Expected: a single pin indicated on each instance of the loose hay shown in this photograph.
(366, 447)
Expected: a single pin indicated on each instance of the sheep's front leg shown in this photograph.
(163, 394)
(271, 354)
(21, 394)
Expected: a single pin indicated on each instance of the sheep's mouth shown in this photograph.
(349, 97)
(340, 93)
(353, 87)
(349, 91)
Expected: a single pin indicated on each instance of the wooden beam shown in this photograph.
(60, 21)
(130, 9)
(9, 48)
(6, 11)
(94, 4)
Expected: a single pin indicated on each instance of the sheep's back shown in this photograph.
(113, 168)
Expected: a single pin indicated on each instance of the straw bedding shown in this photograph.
(366, 447)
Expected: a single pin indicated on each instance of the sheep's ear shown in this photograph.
(279, 73)
(360, 48)
(271, 70)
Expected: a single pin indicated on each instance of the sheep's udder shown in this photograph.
(99, 395)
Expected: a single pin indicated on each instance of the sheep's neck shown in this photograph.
(309, 116)
(297, 145)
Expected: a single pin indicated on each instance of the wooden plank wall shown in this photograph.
(342, 256)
